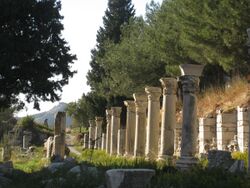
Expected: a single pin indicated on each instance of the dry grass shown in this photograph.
(225, 99)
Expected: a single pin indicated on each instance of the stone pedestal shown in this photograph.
(115, 126)
(27, 136)
(6, 153)
(91, 134)
(226, 128)
(86, 141)
(189, 125)
(121, 142)
(108, 130)
(242, 128)
(129, 178)
(140, 124)
(60, 126)
(57, 146)
(207, 132)
(103, 147)
(49, 147)
(98, 132)
(153, 123)
(168, 121)
(130, 128)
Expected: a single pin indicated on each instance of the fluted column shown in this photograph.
(189, 127)
(168, 121)
(108, 130)
(98, 132)
(115, 125)
(153, 123)
(91, 134)
(140, 124)
(130, 128)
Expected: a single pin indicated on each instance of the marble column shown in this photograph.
(140, 124)
(91, 134)
(189, 127)
(130, 128)
(121, 142)
(115, 126)
(103, 147)
(86, 141)
(108, 130)
(60, 126)
(168, 121)
(98, 132)
(153, 123)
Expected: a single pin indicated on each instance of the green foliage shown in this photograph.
(241, 156)
(33, 52)
(196, 178)
(86, 108)
(30, 162)
(27, 122)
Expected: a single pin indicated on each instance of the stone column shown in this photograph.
(130, 128)
(86, 141)
(168, 121)
(60, 126)
(189, 127)
(153, 123)
(103, 146)
(121, 142)
(6, 153)
(242, 128)
(57, 146)
(248, 109)
(226, 128)
(140, 124)
(207, 132)
(108, 130)
(98, 132)
(115, 126)
(91, 134)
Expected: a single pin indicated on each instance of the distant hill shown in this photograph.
(50, 115)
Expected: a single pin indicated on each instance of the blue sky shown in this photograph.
(82, 19)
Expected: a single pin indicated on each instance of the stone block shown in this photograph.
(129, 178)
(219, 159)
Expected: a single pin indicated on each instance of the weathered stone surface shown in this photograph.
(191, 69)
(115, 126)
(189, 139)
(6, 153)
(153, 123)
(75, 170)
(130, 128)
(53, 167)
(168, 120)
(218, 158)
(121, 142)
(129, 178)
(242, 128)
(98, 132)
(91, 134)
(108, 131)
(140, 124)
(103, 147)
(237, 167)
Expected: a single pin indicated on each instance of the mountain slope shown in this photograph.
(50, 115)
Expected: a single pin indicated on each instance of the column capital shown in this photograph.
(130, 105)
(91, 123)
(98, 118)
(169, 85)
(116, 111)
(153, 93)
(140, 101)
(190, 84)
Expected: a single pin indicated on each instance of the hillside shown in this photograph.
(50, 115)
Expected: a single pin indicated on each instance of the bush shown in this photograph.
(27, 122)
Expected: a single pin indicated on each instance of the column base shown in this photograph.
(186, 163)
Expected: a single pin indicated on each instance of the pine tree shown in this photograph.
(118, 13)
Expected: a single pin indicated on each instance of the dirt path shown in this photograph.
(69, 142)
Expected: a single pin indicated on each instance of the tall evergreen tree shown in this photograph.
(118, 13)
